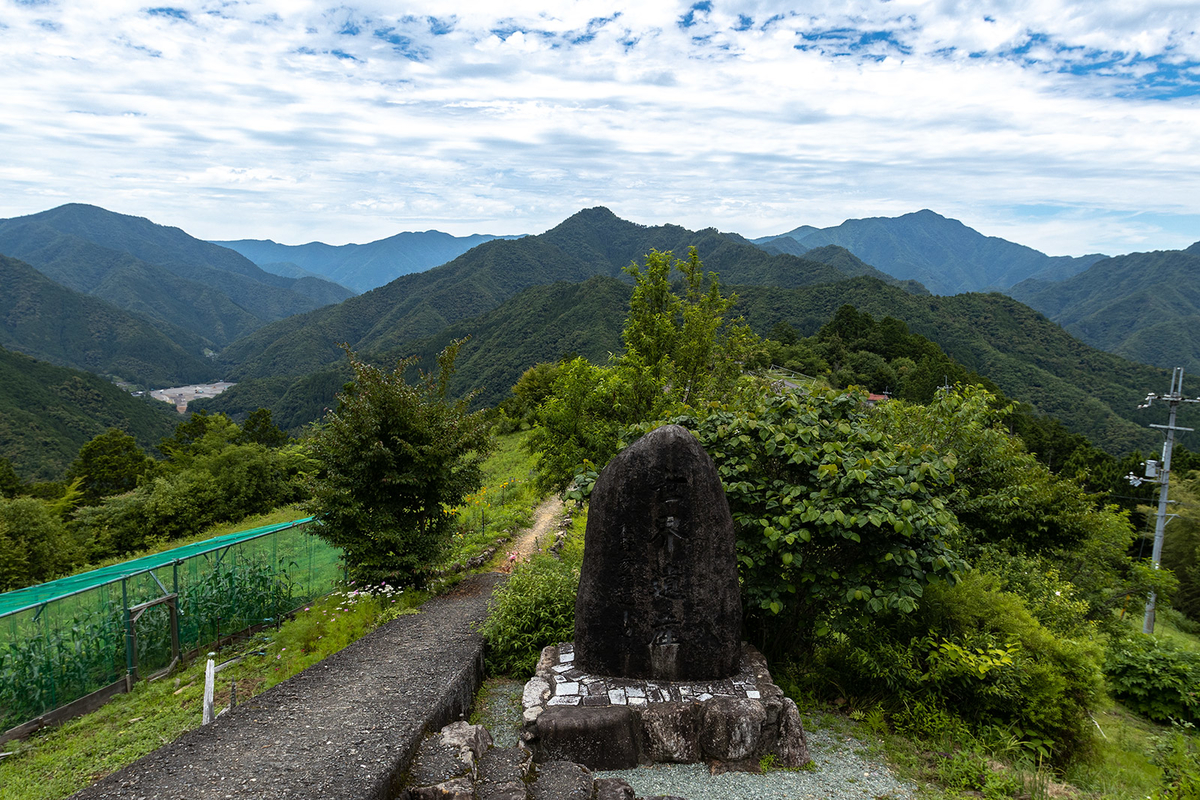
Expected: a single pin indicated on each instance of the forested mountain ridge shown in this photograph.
(50, 322)
(591, 242)
(1030, 358)
(159, 272)
(943, 254)
(361, 267)
(48, 412)
(1143, 306)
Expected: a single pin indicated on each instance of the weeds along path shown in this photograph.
(527, 543)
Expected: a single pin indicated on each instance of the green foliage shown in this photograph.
(1178, 755)
(207, 479)
(10, 484)
(832, 517)
(393, 458)
(533, 609)
(680, 351)
(259, 429)
(1155, 677)
(579, 421)
(973, 653)
(1181, 544)
(34, 544)
(109, 464)
(48, 413)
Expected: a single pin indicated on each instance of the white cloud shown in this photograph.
(297, 121)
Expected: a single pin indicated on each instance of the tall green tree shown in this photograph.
(260, 429)
(35, 546)
(394, 458)
(10, 482)
(681, 350)
(109, 464)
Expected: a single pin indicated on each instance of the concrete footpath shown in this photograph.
(344, 729)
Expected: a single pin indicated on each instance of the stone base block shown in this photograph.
(615, 723)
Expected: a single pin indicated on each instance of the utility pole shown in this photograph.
(1162, 474)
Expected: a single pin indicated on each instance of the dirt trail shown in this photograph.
(526, 543)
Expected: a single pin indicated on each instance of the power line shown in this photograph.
(1161, 473)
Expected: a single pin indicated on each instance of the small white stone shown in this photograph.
(705, 696)
(561, 668)
(637, 701)
(560, 700)
(531, 714)
(566, 658)
(753, 694)
(536, 690)
(566, 688)
(634, 691)
(616, 697)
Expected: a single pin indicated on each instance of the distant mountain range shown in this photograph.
(502, 295)
(941, 253)
(1143, 306)
(591, 242)
(362, 267)
(173, 280)
(124, 297)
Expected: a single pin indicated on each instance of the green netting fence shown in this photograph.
(95, 633)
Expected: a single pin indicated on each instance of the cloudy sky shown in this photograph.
(1073, 127)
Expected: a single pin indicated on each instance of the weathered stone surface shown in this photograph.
(502, 774)
(730, 729)
(792, 747)
(599, 738)
(614, 789)
(670, 732)
(436, 762)
(471, 741)
(658, 594)
(562, 780)
(457, 789)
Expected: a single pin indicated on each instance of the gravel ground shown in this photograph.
(844, 771)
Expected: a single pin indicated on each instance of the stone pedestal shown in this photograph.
(604, 722)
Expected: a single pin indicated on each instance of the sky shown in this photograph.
(1072, 127)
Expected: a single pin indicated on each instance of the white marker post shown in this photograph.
(210, 677)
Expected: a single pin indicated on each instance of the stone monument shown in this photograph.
(658, 671)
(658, 593)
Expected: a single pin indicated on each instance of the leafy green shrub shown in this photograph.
(533, 609)
(1179, 758)
(975, 653)
(1154, 677)
(833, 518)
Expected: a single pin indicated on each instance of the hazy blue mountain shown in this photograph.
(591, 242)
(1194, 248)
(160, 272)
(53, 323)
(48, 412)
(1143, 306)
(362, 267)
(943, 254)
